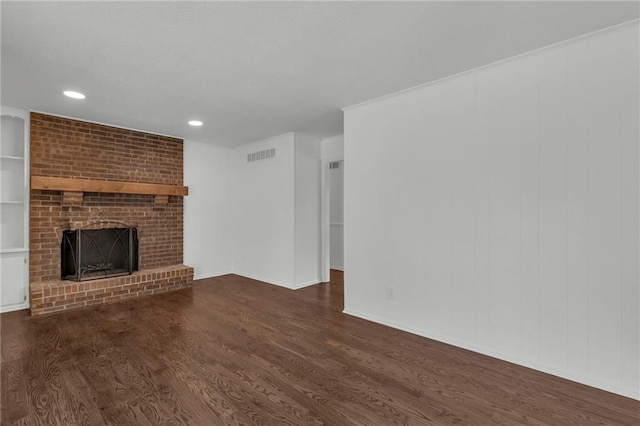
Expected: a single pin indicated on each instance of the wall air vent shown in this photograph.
(334, 165)
(261, 155)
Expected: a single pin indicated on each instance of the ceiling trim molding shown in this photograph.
(491, 64)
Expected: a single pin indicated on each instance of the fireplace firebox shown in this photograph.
(89, 254)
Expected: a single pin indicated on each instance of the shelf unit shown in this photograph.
(14, 210)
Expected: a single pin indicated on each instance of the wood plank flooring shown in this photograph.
(235, 351)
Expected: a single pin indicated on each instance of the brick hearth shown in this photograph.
(66, 148)
(55, 296)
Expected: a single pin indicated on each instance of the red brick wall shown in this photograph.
(77, 149)
(70, 148)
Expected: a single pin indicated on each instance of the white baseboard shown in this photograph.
(16, 307)
(306, 284)
(609, 387)
(259, 278)
(264, 280)
(210, 275)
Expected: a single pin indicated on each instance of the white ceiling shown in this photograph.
(256, 70)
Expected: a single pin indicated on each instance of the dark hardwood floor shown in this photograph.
(235, 351)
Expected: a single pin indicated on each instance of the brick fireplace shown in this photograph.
(92, 176)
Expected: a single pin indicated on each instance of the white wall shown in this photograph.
(501, 206)
(262, 194)
(259, 219)
(207, 209)
(332, 148)
(336, 217)
(307, 210)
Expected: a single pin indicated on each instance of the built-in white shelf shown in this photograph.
(14, 210)
(15, 250)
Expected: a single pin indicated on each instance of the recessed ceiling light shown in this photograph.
(74, 95)
(195, 123)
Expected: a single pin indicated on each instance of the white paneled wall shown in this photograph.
(500, 206)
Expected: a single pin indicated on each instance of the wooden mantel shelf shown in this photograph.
(161, 192)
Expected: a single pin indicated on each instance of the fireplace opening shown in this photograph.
(89, 254)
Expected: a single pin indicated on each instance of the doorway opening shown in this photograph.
(333, 221)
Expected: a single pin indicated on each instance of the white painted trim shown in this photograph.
(628, 392)
(14, 112)
(489, 65)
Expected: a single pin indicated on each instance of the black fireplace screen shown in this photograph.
(89, 254)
